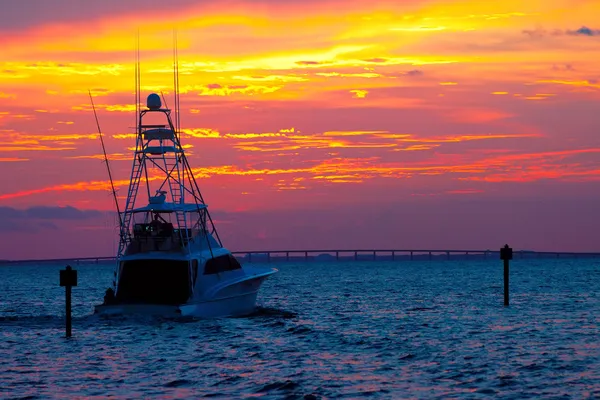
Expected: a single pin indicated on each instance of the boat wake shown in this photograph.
(267, 312)
(92, 321)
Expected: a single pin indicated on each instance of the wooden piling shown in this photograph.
(506, 255)
(68, 279)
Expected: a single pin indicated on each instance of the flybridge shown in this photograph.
(174, 211)
(158, 133)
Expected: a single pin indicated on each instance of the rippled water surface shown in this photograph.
(324, 330)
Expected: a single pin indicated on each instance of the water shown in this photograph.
(324, 330)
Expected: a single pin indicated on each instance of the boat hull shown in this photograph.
(231, 301)
(166, 311)
(236, 306)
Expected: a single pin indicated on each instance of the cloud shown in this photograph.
(414, 72)
(34, 219)
(107, 107)
(359, 94)
(376, 60)
(36, 12)
(541, 32)
(308, 62)
(592, 83)
(215, 89)
(282, 78)
(584, 31)
(48, 225)
(65, 69)
(12, 141)
(47, 213)
(480, 166)
(292, 139)
(563, 67)
(477, 115)
(12, 159)
(349, 75)
(111, 157)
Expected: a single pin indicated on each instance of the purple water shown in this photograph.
(325, 330)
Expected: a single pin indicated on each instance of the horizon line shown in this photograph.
(268, 253)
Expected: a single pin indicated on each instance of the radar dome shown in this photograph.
(153, 102)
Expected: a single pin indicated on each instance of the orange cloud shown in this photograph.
(581, 83)
(12, 159)
(13, 141)
(359, 94)
(79, 186)
(464, 191)
(507, 167)
(108, 107)
(351, 65)
(127, 136)
(477, 115)
(331, 139)
(111, 157)
(250, 90)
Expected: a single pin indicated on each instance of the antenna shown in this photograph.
(177, 68)
(176, 82)
(163, 99)
(137, 83)
(112, 185)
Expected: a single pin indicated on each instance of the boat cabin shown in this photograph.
(168, 281)
(156, 227)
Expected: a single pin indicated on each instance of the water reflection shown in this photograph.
(413, 330)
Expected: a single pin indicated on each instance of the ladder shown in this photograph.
(175, 176)
(134, 185)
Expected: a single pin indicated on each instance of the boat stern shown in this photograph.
(138, 309)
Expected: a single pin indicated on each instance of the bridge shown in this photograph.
(345, 255)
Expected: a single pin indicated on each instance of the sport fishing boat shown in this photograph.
(170, 260)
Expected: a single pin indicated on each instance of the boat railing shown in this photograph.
(164, 241)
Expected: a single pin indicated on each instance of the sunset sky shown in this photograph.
(311, 124)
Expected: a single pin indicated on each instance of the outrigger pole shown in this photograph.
(112, 185)
(186, 166)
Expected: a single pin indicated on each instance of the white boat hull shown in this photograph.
(232, 300)
(240, 305)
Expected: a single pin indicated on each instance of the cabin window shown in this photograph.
(154, 282)
(221, 264)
